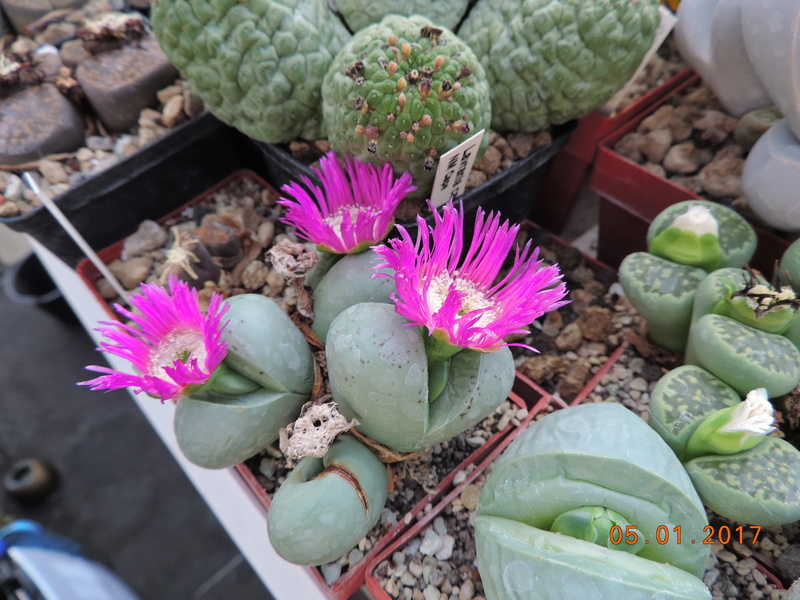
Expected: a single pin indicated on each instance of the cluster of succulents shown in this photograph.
(699, 298)
(406, 89)
(414, 348)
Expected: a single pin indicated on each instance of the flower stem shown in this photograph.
(326, 261)
(439, 354)
(226, 381)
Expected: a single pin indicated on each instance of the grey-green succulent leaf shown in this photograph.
(266, 346)
(680, 400)
(360, 13)
(378, 371)
(663, 293)
(552, 61)
(267, 375)
(326, 506)
(760, 486)
(258, 65)
(737, 238)
(599, 455)
(520, 562)
(348, 282)
(743, 357)
(216, 431)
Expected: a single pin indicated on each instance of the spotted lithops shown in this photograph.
(737, 471)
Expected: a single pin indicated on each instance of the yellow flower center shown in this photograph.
(181, 345)
(473, 299)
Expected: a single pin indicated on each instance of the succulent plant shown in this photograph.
(737, 471)
(348, 282)
(663, 293)
(435, 363)
(403, 92)
(754, 124)
(271, 371)
(360, 13)
(258, 65)
(685, 241)
(745, 296)
(380, 374)
(236, 382)
(737, 238)
(742, 356)
(351, 211)
(327, 504)
(606, 462)
(549, 62)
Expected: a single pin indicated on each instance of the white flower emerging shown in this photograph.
(753, 417)
(697, 219)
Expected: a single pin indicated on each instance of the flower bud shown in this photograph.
(762, 307)
(733, 429)
(691, 240)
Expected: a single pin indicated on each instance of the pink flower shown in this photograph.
(175, 345)
(460, 301)
(352, 211)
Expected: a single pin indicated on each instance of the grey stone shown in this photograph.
(38, 121)
(331, 572)
(120, 83)
(788, 562)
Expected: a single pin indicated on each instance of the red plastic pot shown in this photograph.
(447, 496)
(354, 577)
(631, 197)
(570, 168)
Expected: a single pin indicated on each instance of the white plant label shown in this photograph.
(453, 170)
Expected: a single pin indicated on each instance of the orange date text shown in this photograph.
(724, 534)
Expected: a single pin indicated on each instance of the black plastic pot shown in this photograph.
(513, 191)
(147, 185)
(27, 282)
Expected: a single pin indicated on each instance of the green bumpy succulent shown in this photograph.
(360, 13)
(404, 92)
(258, 65)
(552, 61)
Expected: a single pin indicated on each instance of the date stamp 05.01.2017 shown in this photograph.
(723, 534)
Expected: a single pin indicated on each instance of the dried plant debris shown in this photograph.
(314, 431)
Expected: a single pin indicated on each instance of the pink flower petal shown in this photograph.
(351, 210)
(171, 343)
(461, 297)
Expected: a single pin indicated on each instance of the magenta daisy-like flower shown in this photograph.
(461, 301)
(173, 346)
(352, 211)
